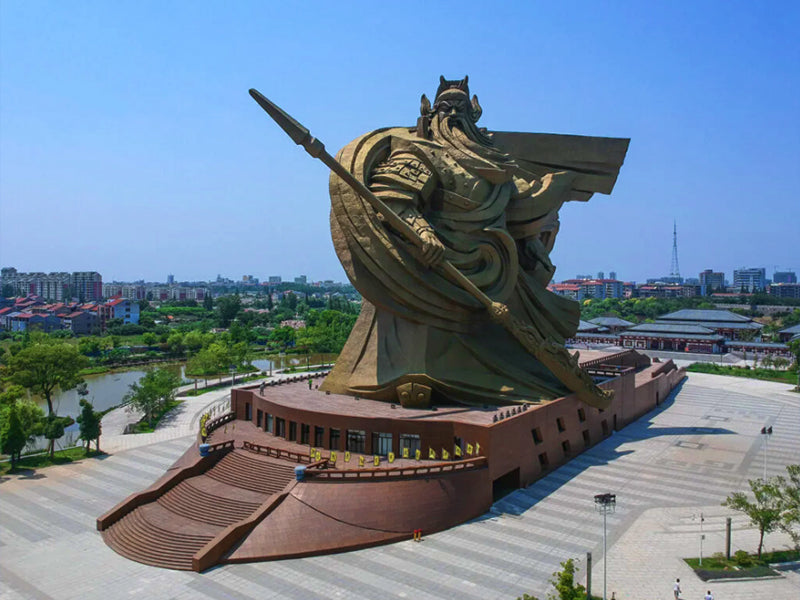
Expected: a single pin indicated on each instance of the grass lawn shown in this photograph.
(40, 461)
(149, 427)
(751, 373)
(741, 565)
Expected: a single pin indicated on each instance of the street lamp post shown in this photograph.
(767, 433)
(605, 503)
(233, 375)
(702, 535)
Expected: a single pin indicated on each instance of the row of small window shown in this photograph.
(355, 439)
(536, 433)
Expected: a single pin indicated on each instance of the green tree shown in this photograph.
(53, 429)
(149, 338)
(193, 341)
(227, 309)
(564, 583)
(45, 367)
(89, 421)
(208, 302)
(795, 349)
(175, 343)
(12, 435)
(788, 489)
(152, 392)
(765, 511)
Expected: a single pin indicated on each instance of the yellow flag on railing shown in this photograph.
(376, 460)
(347, 456)
(405, 452)
(445, 454)
(477, 448)
(457, 451)
(333, 457)
(311, 453)
(391, 457)
(360, 461)
(431, 454)
(469, 449)
(417, 454)
(317, 455)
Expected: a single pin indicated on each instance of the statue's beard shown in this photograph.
(470, 147)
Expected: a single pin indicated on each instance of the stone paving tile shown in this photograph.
(50, 548)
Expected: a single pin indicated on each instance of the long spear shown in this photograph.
(554, 356)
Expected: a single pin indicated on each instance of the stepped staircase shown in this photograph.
(169, 531)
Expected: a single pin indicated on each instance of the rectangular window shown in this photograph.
(319, 436)
(381, 443)
(335, 435)
(248, 412)
(305, 433)
(259, 417)
(280, 427)
(270, 424)
(586, 437)
(537, 435)
(581, 415)
(543, 460)
(565, 447)
(560, 424)
(292, 431)
(604, 425)
(410, 441)
(356, 441)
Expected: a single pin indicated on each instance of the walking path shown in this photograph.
(680, 459)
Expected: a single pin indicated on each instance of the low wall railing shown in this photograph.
(218, 422)
(321, 470)
(277, 452)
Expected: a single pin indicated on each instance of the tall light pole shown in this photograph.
(702, 535)
(767, 433)
(605, 503)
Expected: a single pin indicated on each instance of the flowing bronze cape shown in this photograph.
(416, 326)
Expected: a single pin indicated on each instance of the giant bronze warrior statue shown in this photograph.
(446, 230)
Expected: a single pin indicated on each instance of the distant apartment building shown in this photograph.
(302, 279)
(170, 279)
(784, 277)
(597, 288)
(785, 290)
(750, 279)
(165, 293)
(56, 286)
(711, 281)
(124, 290)
(274, 279)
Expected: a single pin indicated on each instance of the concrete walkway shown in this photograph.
(678, 460)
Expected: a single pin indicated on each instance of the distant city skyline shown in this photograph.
(129, 144)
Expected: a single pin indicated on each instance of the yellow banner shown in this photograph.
(317, 455)
(431, 454)
(391, 457)
(457, 451)
(469, 449)
(360, 461)
(405, 452)
(347, 456)
(477, 448)
(417, 454)
(445, 454)
(376, 460)
(311, 453)
(333, 457)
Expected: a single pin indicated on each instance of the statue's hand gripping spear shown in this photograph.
(554, 357)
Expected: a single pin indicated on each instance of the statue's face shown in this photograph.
(454, 105)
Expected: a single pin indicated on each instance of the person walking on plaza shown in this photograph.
(677, 589)
(708, 596)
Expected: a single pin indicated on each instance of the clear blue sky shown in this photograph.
(129, 144)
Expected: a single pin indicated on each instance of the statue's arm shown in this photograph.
(404, 182)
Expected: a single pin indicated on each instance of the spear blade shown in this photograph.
(299, 134)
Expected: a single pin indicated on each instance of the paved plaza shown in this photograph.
(679, 460)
